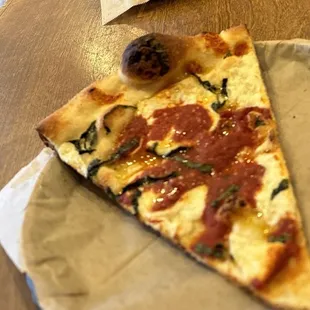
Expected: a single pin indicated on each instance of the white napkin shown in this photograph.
(14, 198)
(110, 9)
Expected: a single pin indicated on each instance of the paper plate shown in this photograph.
(82, 252)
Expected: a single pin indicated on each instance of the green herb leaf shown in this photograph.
(232, 189)
(110, 194)
(284, 184)
(224, 88)
(228, 54)
(205, 168)
(218, 251)
(259, 122)
(217, 105)
(207, 85)
(220, 92)
(149, 180)
(93, 167)
(110, 116)
(203, 249)
(124, 148)
(87, 140)
(135, 202)
(280, 238)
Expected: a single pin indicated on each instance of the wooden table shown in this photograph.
(48, 53)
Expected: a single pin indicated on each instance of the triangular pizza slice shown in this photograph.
(184, 138)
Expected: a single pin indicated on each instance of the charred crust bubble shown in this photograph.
(146, 58)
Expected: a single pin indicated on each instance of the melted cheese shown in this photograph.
(178, 221)
(69, 154)
(250, 249)
(244, 87)
(284, 202)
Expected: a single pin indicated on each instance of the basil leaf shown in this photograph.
(217, 105)
(284, 184)
(207, 85)
(259, 122)
(202, 249)
(149, 180)
(218, 251)
(110, 116)
(280, 238)
(124, 148)
(220, 92)
(205, 168)
(228, 54)
(232, 189)
(224, 87)
(94, 165)
(135, 202)
(87, 141)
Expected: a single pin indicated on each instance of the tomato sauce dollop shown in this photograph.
(220, 148)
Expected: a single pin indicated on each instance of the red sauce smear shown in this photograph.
(136, 129)
(234, 132)
(286, 228)
(218, 148)
(186, 120)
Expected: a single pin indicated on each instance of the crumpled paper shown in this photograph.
(84, 253)
(14, 198)
(112, 8)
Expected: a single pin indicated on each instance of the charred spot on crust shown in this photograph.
(215, 42)
(146, 58)
(241, 49)
(194, 67)
(101, 97)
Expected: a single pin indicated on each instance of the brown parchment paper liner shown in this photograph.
(84, 253)
(110, 9)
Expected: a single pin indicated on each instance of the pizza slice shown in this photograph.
(184, 138)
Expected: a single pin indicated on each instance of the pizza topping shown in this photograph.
(124, 149)
(87, 140)
(185, 121)
(285, 234)
(220, 92)
(204, 168)
(259, 122)
(101, 97)
(230, 191)
(280, 238)
(220, 147)
(212, 160)
(207, 85)
(149, 179)
(285, 231)
(241, 48)
(93, 167)
(117, 114)
(135, 198)
(218, 251)
(228, 54)
(284, 184)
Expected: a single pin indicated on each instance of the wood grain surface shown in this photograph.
(48, 52)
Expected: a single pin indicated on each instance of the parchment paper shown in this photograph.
(84, 253)
(112, 8)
